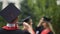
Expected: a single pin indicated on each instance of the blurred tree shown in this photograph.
(2, 21)
(39, 8)
(26, 11)
(0, 5)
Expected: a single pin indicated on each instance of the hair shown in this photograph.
(15, 20)
(48, 20)
(51, 28)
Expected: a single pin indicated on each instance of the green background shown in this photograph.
(37, 9)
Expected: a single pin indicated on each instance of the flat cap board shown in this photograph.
(10, 12)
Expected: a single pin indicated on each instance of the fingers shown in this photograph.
(26, 24)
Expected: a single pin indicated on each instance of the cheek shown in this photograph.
(31, 23)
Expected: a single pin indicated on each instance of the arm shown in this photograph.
(29, 28)
(40, 22)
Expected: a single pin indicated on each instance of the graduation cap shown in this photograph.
(27, 19)
(10, 12)
(47, 19)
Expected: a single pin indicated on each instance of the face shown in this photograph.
(31, 22)
(44, 24)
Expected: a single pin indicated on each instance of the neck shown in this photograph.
(46, 27)
(10, 26)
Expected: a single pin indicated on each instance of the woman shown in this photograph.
(44, 26)
(27, 26)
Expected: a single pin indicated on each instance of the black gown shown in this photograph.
(2, 31)
(25, 31)
(40, 29)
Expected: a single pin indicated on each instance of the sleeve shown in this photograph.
(39, 28)
(26, 32)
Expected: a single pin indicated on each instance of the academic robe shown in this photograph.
(41, 30)
(3, 31)
(7, 30)
(46, 31)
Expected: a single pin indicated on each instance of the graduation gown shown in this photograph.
(3, 31)
(46, 31)
(38, 29)
(26, 31)
(41, 30)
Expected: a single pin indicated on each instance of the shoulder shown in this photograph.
(39, 28)
(22, 31)
(19, 31)
(50, 32)
(1, 29)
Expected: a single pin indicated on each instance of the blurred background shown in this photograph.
(36, 9)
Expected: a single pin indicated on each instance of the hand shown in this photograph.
(40, 22)
(26, 25)
(29, 28)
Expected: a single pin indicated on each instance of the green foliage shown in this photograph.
(39, 8)
(0, 5)
(2, 21)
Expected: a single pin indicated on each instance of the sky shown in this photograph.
(12, 0)
(9, 0)
(0, 0)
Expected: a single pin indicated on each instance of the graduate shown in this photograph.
(10, 14)
(44, 26)
(27, 25)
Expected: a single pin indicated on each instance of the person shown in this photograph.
(27, 25)
(10, 14)
(44, 26)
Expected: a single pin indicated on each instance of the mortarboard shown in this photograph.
(27, 19)
(10, 12)
(47, 19)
